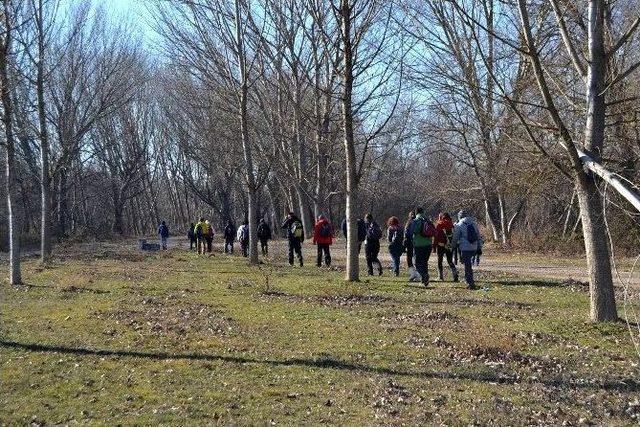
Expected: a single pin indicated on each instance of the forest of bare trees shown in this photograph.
(250, 109)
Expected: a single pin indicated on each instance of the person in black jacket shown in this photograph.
(229, 237)
(372, 244)
(295, 235)
(191, 234)
(362, 232)
(264, 235)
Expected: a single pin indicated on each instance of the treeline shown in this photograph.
(247, 109)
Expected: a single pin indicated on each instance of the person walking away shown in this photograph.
(209, 236)
(200, 232)
(163, 232)
(264, 235)
(423, 233)
(295, 235)
(191, 235)
(466, 237)
(229, 237)
(408, 247)
(243, 238)
(442, 245)
(323, 238)
(372, 244)
(395, 237)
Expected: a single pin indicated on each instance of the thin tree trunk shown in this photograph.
(15, 276)
(353, 267)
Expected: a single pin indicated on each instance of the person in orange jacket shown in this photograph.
(323, 238)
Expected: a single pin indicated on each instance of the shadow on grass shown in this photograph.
(516, 282)
(63, 288)
(611, 384)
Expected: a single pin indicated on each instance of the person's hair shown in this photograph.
(291, 214)
(446, 215)
(201, 218)
(393, 221)
(163, 223)
(419, 210)
(245, 222)
(368, 217)
(441, 216)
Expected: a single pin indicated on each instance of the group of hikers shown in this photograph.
(418, 238)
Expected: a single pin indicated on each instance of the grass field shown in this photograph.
(110, 336)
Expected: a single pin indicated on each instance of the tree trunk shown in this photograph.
(15, 276)
(353, 266)
(246, 143)
(45, 179)
(603, 304)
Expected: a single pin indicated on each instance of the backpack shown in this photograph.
(362, 231)
(426, 228)
(325, 230)
(199, 230)
(374, 232)
(472, 235)
(296, 230)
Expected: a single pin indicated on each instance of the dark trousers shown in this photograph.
(371, 251)
(202, 245)
(465, 257)
(323, 249)
(264, 246)
(193, 243)
(228, 246)
(409, 247)
(442, 253)
(245, 248)
(422, 262)
(295, 245)
(395, 259)
(209, 243)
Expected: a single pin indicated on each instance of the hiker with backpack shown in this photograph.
(408, 247)
(200, 233)
(208, 237)
(395, 237)
(423, 232)
(442, 245)
(191, 235)
(163, 232)
(295, 235)
(243, 238)
(264, 235)
(466, 237)
(323, 238)
(372, 244)
(229, 237)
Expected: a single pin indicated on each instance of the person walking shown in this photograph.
(163, 232)
(408, 247)
(243, 238)
(264, 235)
(191, 235)
(229, 237)
(423, 233)
(200, 233)
(295, 235)
(466, 237)
(362, 232)
(442, 245)
(372, 244)
(395, 237)
(209, 236)
(323, 238)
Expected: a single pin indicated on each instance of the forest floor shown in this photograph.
(109, 335)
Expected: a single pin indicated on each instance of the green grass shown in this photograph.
(109, 336)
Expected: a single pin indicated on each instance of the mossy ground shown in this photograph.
(110, 336)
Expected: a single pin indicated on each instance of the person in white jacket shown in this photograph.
(243, 237)
(466, 237)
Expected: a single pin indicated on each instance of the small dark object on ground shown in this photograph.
(144, 246)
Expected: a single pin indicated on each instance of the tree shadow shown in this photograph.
(516, 282)
(328, 362)
(63, 289)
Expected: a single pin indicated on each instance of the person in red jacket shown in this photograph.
(323, 238)
(442, 244)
